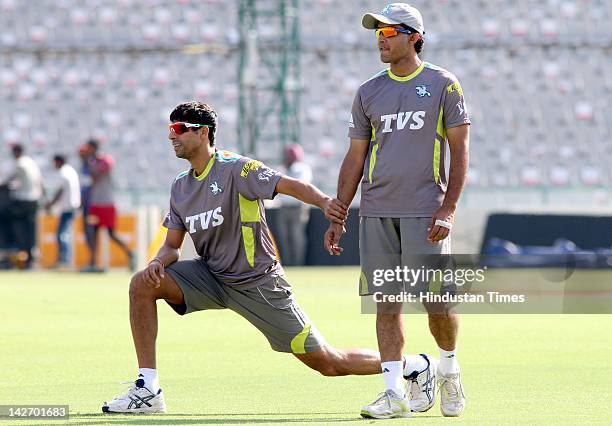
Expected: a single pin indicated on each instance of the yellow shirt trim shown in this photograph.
(206, 170)
(408, 77)
(249, 244)
(249, 210)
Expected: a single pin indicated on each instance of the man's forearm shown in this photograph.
(167, 255)
(348, 180)
(457, 177)
(303, 191)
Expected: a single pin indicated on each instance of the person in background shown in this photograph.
(68, 199)
(294, 215)
(6, 234)
(102, 212)
(85, 183)
(25, 186)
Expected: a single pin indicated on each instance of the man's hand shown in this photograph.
(437, 232)
(332, 239)
(335, 210)
(154, 273)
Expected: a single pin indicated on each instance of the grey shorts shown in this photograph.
(386, 244)
(269, 306)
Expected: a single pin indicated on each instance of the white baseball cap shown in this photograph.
(394, 14)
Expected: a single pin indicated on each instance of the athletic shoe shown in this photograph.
(452, 398)
(137, 399)
(387, 405)
(421, 386)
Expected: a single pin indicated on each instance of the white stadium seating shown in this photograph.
(536, 75)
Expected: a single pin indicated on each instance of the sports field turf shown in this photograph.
(65, 339)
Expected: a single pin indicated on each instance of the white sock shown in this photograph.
(393, 374)
(149, 375)
(414, 363)
(448, 362)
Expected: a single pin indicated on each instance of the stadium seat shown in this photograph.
(590, 175)
(559, 176)
(530, 175)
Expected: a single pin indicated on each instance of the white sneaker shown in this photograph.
(452, 398)
(421, 386)
(387, 405)
(137, 399)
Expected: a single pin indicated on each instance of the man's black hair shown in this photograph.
(93, 143)
(418, 46)
(197, 113)
(17, 149)
(59, 158)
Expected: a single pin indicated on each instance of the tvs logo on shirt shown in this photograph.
(204, 220)
(415, 118)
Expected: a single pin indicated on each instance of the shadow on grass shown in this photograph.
(215, 418)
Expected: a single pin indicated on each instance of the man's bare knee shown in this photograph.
(389, 310)
(387, 317)
(440, 312)
(139, 289)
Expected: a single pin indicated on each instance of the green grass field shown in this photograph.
(65, 339)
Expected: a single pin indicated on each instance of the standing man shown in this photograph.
(293, 214)
(25, 185)
(85, 181)
(402, 121)
(68, 198)
(102, 211)
(218, 202)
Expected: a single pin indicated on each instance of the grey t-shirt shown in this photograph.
(405, 119)
(222, 210)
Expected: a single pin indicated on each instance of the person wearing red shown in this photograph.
(102, 212)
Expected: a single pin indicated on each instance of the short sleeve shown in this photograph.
(359, 124)
(173, 219)
(254, 180)
(455, 110)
